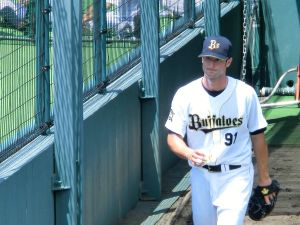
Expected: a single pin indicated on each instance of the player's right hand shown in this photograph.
(198, 158)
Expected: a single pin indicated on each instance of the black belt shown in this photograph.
(218, 168)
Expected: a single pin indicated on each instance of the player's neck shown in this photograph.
(215, 84)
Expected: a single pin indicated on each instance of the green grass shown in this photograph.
(17, 84)
(18, 78)
(9, 32)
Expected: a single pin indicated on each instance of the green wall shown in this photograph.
(26, 196)
(280, 35)
(112, 156)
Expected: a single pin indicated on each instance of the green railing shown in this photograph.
(111, 45)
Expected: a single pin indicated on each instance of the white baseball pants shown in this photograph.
(221, 198)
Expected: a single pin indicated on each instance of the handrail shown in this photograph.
(278, 84)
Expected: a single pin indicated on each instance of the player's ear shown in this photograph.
(228, 62)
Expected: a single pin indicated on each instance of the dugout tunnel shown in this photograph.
(103, 180)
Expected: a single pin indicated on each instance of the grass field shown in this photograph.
(17, 84)
(19, 95)
(18, 81)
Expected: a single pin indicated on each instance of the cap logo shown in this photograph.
(214, 45)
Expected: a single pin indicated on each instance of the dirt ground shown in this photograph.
(184, 217)
(284, 167)
(275, 220)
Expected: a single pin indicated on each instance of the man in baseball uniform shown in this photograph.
(215, 122)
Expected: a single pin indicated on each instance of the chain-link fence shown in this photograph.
(111, 45)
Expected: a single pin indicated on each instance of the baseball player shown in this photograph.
(214, 123)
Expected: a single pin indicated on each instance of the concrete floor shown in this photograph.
(284, 166)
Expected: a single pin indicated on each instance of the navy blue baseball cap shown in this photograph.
(217, 47)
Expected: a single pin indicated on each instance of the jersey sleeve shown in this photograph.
(178, 117)
(256, 120)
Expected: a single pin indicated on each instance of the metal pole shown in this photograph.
(39, 63)
(42, 11)
(68, 111)
(189, 11)
(212, 17)
(46, 64)
(279, 104)
(151, 164)
(100, 33)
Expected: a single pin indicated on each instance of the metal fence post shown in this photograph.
(151, 160)
(189, 11)
(212, 17)
(68, 111)
(100, 31)
(42, 11)
(46, 64)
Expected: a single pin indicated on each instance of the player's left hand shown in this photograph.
(268, 198)
(263, 200)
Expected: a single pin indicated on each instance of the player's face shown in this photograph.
(215, 68)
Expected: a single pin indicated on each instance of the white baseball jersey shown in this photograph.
(218, 125)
